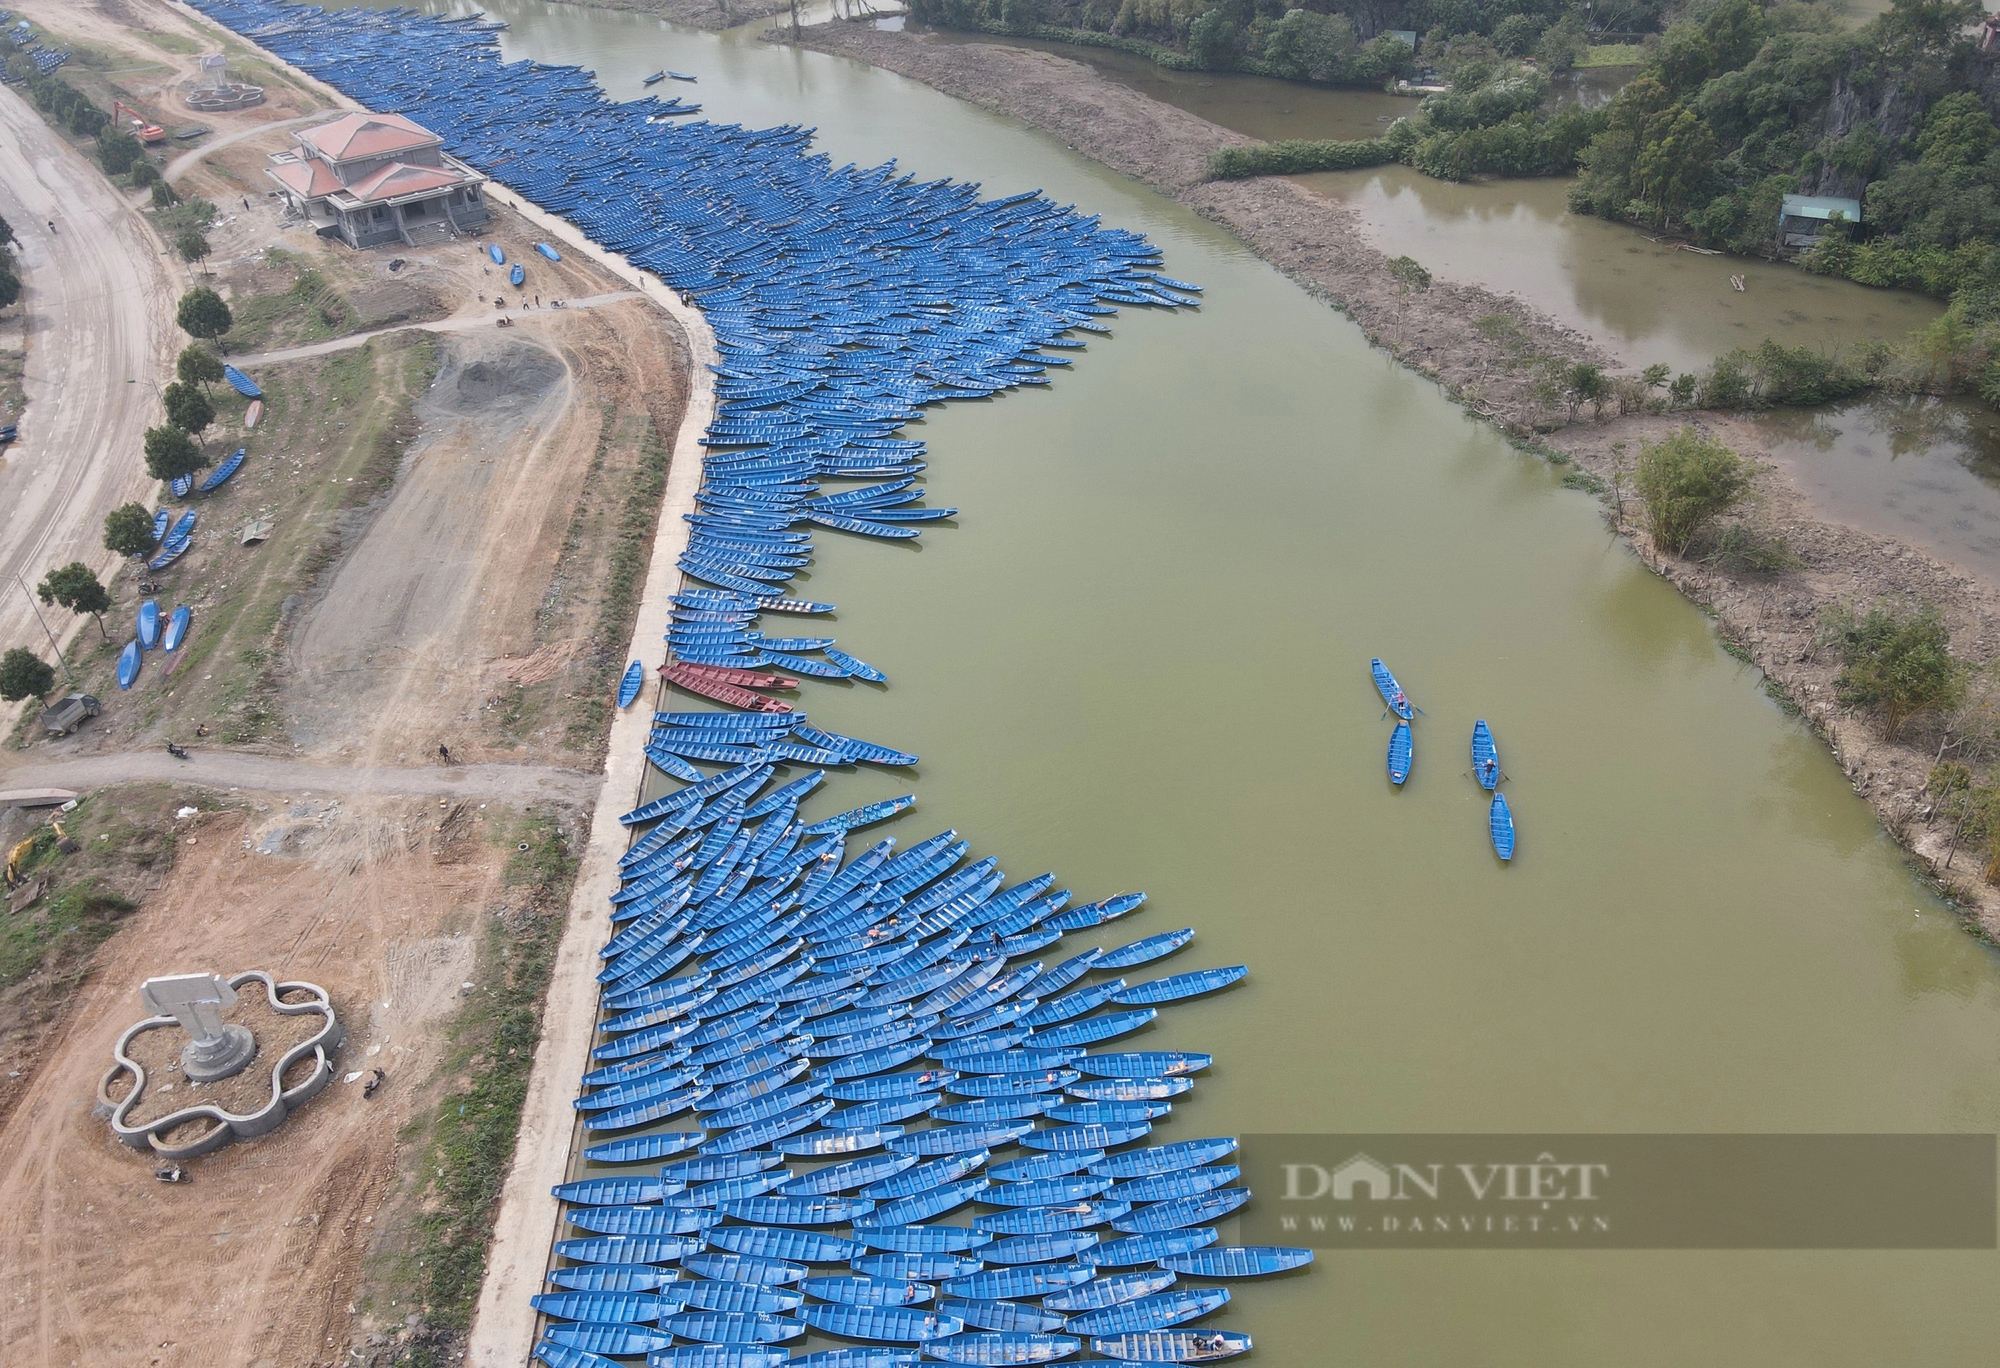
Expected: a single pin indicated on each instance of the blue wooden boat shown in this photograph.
(241, 383)
(1500, 825)
(851, 1289)
(929, 1205)
(1182, 1212)
(612, 1277)
(915, 1267)
(860, 669)
(1172, 1346)
(172, 552)
(680, 76)
(883, 1086)
(1159, 1312)
(1399, 753)
(556, 1355)
(603, 1338)
(1144, 951)
(161, 521)
(797, 1211)
(985, 1313)
(1045, 1191)
(1019, 1280)
(863, 816)
(1090, 1030)
(654, 79)
(1110, 1290)
(1238, 1261)
(499, 257)
(732, 1327)
(717, 1356)
(1018, 1061)
(859, 1356)
(1485, 756)
(180, 485)
(845, 1177)
(610, 1191)
(149, 624)
(1180, 986)
(220, 475)
(922, 1239)
(1146, 1249)
(177, 628)
(991, 1109)
(1164, 1187)
(640, 1148)
(1013, 1085)
(128, 663)
(628, 687)
(1392, 693)
(618, 1308)
(895, 1324)
(182, 529)
(1079, 1139)
(747, 1268)
(641, 1220)
(1075, 1004)
(1183, 1154)
(1052, 1247)
(517, 274)
(626, 1249)
(1002, 1347)
(960, 1139)
(1050, 1220)
(924, 1178)
(551, 253)
(1113, 1113)
(704, 1295)
(717, 1168)
(1129, 1089)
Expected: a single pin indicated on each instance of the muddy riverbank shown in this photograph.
(1771, 621)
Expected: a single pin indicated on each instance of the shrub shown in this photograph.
(203, 314)
(1292, 156)
(128, 530)
(1688, 481)
(1900, 662)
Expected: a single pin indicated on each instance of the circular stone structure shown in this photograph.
(218, 1058)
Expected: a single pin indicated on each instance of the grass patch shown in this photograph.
(308, 310)
(466, 1142)
(122, 842)
(1294, 156)
(170, 42)
(631, 553)
(1613, 55)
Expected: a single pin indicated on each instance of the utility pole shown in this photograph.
(45, 630)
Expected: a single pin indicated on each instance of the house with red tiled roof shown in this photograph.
(374, 178)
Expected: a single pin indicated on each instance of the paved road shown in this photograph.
(268, 774)
(100, 305)
(456, 323)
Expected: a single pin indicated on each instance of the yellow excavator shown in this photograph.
(17, 857)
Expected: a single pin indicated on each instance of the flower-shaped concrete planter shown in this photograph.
(225, 1125)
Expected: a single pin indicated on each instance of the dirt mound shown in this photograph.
(506, 380)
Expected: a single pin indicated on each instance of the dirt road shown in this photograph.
(219, 769)
(458, 323)
(100, 308)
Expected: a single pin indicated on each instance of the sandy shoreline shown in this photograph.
(1771, 620)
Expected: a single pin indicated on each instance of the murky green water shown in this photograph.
(1140, 660)
(1922, 469)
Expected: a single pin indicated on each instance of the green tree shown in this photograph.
(6, 232)
(188, 409)
(198, 366)
(1214, 41)
(1687, 481)
(1585, 383)
(191, 245)
(164, 196)
(128, 530)
(203, 314)
(23, 674)
(1900, 662)
(10, 284)
(1675, 164)
(80, 591)
(1411, 278)
(116, 151)
(170, 455)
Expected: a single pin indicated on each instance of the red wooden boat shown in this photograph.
(747, 679)
(686, 677)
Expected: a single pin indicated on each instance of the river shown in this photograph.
(1139, 659)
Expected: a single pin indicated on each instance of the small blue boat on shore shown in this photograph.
(161, 521)
(1392, 692)
(241, 383)
(499, 257)
(181, 484)
(177, 627)
(680, 76)
(1400, 749)
(149, 624)
(220, 475)
(517, 275)
(1500, 824)
(629, 686)
(654, 79)
(1485, 756)
(128, 664)
(551, 253)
